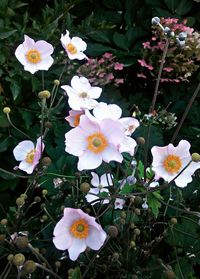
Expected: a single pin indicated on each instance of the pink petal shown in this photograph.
(96, 238)
(62, 241)
(77, 247)
(111, 154)
(89, 161)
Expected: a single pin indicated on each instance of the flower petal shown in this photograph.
(96, 238)
(89, 161)
(77, 247)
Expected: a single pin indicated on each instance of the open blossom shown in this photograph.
(169, 161)
(34, 56)
(73, 46)
(28, 154)
(99, 185)
(95, 142)
(119, 203)
(76, 231)
(74, 117)
(81, 94)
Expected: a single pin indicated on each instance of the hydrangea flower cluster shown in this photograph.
(183, 54)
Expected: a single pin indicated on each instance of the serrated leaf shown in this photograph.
(153, 202)
(127, 189)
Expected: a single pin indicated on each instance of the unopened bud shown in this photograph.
(169, 274)
(20, 201)
(24, 196)
(136, 231)
(112, 231)
(195, 157)
(48, 124)
(58, 264)
(18, 259)
(29, 266)
(167, 31)
(173, 221)
(137, 211)
(2, 238)
(155, 20)
(123, 214)
(22, 242)
(140, 141)
(10, 257)
(37, 199)
(132, 244)
(46, 161)
(45, 94)
(115, 256)
(4, 222)
(44, 192)
(6, 110)
(85, 187)
(56, 82)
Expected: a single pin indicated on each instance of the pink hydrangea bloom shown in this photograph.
(146, 45)
(118, 66)
(168, 69)
(73, 46)
(76, 231)
(81, 94)
(99, 185)
(74, 117)
(144, 64)
(34, 56)
(107, 55)
(28, 154)
(169, 161)
(95, 142)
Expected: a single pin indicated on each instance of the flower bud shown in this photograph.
(4, 222)
(48, 124)
(70, 271)
(24, 196)
(115, 256)
(132, 244)
(155, 20)
(56, 82)
(45, 94)
(2, 238)
(134, 277)
(22, 242)
(20, 201)
(173, 221)
(123, 215)
(196, 157)
(140, 141)
(136, 231)
(37, 199)
(44, 192)
(58, 264)
(18, 259)
(112, 231)
(29, 266)
(85, 187)
(137, 211)
(6, 110)
(10, 257)
(138, 200)
(131, 180)
(46, 161)
(167, 31)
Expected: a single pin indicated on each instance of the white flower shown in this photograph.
(74, 47)
(169, 161)
(34, 56)
(81, 94)
(99, 187)
(119, 203)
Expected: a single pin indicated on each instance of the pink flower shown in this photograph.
(95, 142)
(144, 64)
(101, 61)
(169, 161)
(28, 154)
(110, 76)
(118, 66)
(119, 203)
(129, 124)
(76, 231)
(119, 81)
(74, 47)
(74, 117)
(81, 94)
(100, 186)
(146, 45)
(34, 56)
(107, 55)
(141, 75)
(168, 69)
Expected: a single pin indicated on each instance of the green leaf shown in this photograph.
(121, 41)
(101, 36)
(5, 143)
(113, 4)
(172, 4)
(140, 169)
(98, 49)
(153, 202)
(4, 35)
(184, 7)
(127, 189)
(15, 89)
(76, 274)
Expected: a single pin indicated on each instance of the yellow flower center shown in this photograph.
(80, 229)
(71, 48)
(30, 156)
(172, 164)
(33, 56)
(97, 142)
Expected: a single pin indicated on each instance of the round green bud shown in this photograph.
(137, 211)
(2, 238)
(48, 124)
(132, 244)
(4, 222)
(29, 266)
(56, 82)
(20, 201)
(37, 199)
(44, 192)
(140, 141)
(112, 231)
(123, 215)
(70, 271)
(85, 187)
(22, 242)
(58, 264)
(115, 256)
(136, 231)
(24, 196)
(45, 94)
(43, 251)
(46, 161)
(196, 157)
(18, 259)
(138, 200)
(6, 110)
(10, 257)
(44, 218)
(122, 221)
(173, 221)
(132, 226)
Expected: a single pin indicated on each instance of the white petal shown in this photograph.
(95, 179)
(28, 168)
(79, 43)
(106, 179)
(96, 238)
(111, 154)
(89, 161)
(62, 241)
(77, 247)
(21, 150)
(91, 196)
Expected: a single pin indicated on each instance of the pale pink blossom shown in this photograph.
(146, 45)
(74, 117)
(168, 69)
(99, 186)
(118, 66)
(28, 154)
(141, 75)
(119, 203)
(95, 142)
(73, 46)
(81, 94)
(119, 80)
(76, 231)
(144, 64)
(34, 56)
(169, 161)
(110, 76)
(107, 55)
(130, 124)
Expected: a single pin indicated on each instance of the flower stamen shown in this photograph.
(33, 56)
(80, 229)
(97, 142)
(71, 48)
(172, 164)
(30, 156)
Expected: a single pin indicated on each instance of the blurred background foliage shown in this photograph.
(116, 26)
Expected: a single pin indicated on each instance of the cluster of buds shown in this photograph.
(182, 55)
(102, 71)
